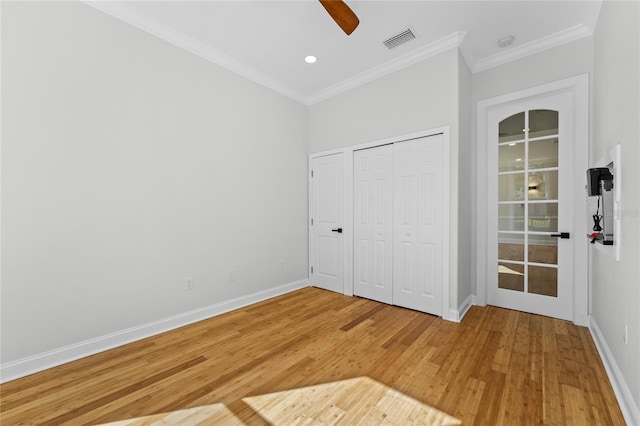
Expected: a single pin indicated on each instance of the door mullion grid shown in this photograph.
(542, 138)
(544, 265)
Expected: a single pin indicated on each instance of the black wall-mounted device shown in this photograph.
(597, 175)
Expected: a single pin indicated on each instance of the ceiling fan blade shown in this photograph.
(342, 14)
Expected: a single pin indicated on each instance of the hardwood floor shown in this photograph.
(314, 356)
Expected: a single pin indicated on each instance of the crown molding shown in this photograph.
(127, 14)
(449, 42)
(152, 26)
(527, 49)
(467, 53)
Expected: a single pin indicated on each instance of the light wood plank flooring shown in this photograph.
(317, 357)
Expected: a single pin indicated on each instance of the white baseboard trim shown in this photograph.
(628, 406)
(456, 315)
(35, 363)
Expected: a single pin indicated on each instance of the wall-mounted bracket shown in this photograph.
(603, 214)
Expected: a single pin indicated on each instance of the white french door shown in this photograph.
(373, 223)
(530, 201)
(326, 248)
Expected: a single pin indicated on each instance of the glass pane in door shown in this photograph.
(511, 217)
(528, 202)
(543, 217)
(542, 185)
(511, 276)
(512, 128)
(543, 154)
(543, 249)
(511, 187)
(511, 246)
(511, 156)
(543, 280)
(542, 122)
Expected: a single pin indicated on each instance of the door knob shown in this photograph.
(339, 230)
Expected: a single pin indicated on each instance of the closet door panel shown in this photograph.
(427, 268)
(373, 213)
(418, 224)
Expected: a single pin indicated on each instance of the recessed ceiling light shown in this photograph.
(310, 59)
(518, 159)
(506, 41)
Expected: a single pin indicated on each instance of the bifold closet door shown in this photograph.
(373, 226)
(417, 231)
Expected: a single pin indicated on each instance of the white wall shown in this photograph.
(466, 238)
(616, 120)
(420, 97)
(129, 165)
(550, 65)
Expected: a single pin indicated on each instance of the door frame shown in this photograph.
(579, 87)
(445, 131)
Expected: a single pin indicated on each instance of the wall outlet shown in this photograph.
(625, 335)
(232, 275)
(188, 284)
(282, 264)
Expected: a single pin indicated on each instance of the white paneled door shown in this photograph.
(373, 223)
(327, 221)
(418, 222)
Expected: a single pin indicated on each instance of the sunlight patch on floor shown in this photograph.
(354, 401)
(206, 415)
(359, 400)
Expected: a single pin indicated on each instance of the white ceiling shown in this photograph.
(266, 40)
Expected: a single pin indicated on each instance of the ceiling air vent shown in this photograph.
(400, 38)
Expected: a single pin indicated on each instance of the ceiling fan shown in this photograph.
(342, 14)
